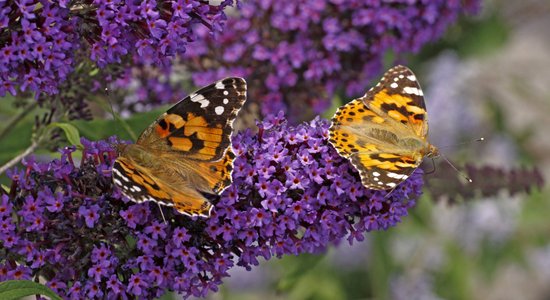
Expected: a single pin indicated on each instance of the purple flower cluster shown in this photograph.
(42, 41)
(299, 53)
(292, 193)
(142, 88)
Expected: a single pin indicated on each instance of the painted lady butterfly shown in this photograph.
(185, 152)
(384, 133)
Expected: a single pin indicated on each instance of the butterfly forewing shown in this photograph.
(200, 125)
(398, 96)
(383, 133)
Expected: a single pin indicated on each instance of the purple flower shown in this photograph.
(137, 285)
(46, 40)
(287, 197)
(101, 254)
(90, 214)
(9, 240)
(55, 204)
(5, 206)
(35, 222)
(57, 286)
(302, 52)
(145, 243)
(76, 292)
(114, 286)
(97, 272)
(93, 290)
(19, 273)
(180, 236)
(135, 215)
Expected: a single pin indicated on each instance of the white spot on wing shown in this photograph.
(411, 77)
(412, 90)
(135, 188)
(375, 174)
(391, 184)
(219, 85)
(397, 176)
(124, 178)
(200, 99)
(226, 92)
(219, 110)
(394, 85)
(225, 100)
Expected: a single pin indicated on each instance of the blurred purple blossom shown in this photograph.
(142, 88)
(42, 41)
(298, 54)
(99, 245)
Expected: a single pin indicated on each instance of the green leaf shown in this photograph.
(309, 277)
(101, 129)
(295, 267)
(93, 72)
(17, 289)
(71, 132)
(453, 281)
(383, 266)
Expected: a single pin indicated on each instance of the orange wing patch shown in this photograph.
(401, 108)
(347, 128)
(218, 174)
(190, 202)
(168, 123)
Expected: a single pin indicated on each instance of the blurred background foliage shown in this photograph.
(487, 77)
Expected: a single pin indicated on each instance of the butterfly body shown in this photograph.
(185, 152)
(384, 133)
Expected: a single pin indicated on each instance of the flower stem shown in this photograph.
(19, 157)
(11, 123)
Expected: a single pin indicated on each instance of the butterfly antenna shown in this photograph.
(481, 139)
(112, 110)
(118, 120)
(452, 166)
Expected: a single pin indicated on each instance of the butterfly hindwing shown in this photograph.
(132, 180)
(218, 174)
(383, 170)
(348, 134)
(139, 185)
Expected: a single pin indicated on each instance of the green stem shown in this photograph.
(35, 143)
(106, 105)
(19, 157)
(11, 123)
